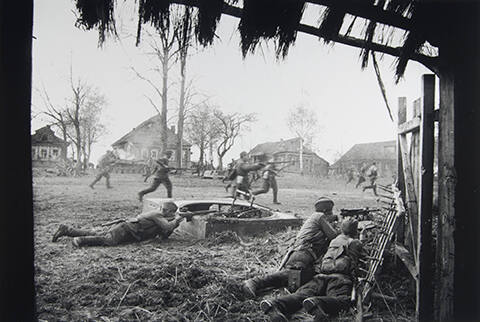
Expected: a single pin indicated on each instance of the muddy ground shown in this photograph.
(179, 279)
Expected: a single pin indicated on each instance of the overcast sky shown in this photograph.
(327, 78)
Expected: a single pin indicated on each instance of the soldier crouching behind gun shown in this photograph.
(310, 244)
(330, 291)
(143, 227)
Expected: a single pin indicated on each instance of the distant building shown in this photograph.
(47, 149)
(384, 154)
(289, 150)
(143, 142)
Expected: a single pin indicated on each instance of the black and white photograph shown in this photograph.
(240, 160)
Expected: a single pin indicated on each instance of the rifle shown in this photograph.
(357, 212)
(189, 214)
(113, 222)
(279, 162)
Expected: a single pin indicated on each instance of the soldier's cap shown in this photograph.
(243, 154)
(324, 204)
(169, 206)
(349, 226)
(168, 153)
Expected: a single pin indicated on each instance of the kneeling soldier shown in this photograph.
(330, 291)
(143, 227)
(310, 244)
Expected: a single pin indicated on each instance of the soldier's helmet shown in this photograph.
(168, 154)
(324, 204)
(349, 227)
(243, 154)
(169, 206)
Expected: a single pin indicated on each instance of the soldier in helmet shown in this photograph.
(160, 176)
(310, 244)
(105, 165)
(328, 292)
(242, 169)
(143, 227)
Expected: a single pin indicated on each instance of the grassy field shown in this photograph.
(174, 280)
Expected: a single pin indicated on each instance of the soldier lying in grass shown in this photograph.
(145, 226)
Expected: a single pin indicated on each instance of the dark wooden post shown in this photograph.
(16, 236)
(402, 118)
(425, 199)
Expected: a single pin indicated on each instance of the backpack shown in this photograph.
(336, 259)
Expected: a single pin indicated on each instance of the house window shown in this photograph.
(54, 153)
(34, 153)
(43, 153)
(144, 154)
(153, 154)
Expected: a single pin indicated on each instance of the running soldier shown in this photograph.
(105, 165)
(269, 173)
(145, 226)
(350, 175)
(160, 176)
(361, 175)
(329, 292)
(310, 244)
(372, 174)
(243, 168)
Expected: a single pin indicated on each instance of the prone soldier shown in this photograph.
(143, 227)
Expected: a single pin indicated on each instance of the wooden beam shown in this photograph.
(424, 251)
(410, 126)
(428, 61)
(445, 251)
(411, 196)
(407, 259)
(401, 118)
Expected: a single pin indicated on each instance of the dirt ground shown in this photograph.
(178, 279)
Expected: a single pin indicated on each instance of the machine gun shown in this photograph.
(358, 213)
(280, 162)
(189, 214)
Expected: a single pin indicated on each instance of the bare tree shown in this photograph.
(91, 127)
(200, 130)
(56, 114)
(303, 123)
(229, 127)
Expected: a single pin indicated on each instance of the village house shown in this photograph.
(143, 142)
(47, 149)
(289, 150)
(384, 154)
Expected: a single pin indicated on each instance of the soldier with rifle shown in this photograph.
(160, 176)
(330, 291)
(105, 165)
(242, 169)
(309, 246)
(269, 173)
(145, 226)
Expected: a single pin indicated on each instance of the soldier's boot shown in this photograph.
(61, 231)
(250, 288)
(313, 306)
(271, 309)
(97, 178)
(107, 180)
(89, 241)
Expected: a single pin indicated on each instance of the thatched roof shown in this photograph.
(45, 135)
(385, 150)
(422, 23)
(147, 133)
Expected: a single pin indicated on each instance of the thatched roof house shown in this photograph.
(289, 150)
(143, 142)
(47, 148)
(384, 154)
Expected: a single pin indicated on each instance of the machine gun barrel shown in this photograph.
(279, 162)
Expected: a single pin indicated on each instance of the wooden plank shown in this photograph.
(424, 304)
(407, 259)
(409, 126)
(445, 256)
(415, 150)
(401, 118)
(411, 197)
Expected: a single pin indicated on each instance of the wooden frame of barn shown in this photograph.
(451, 26)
